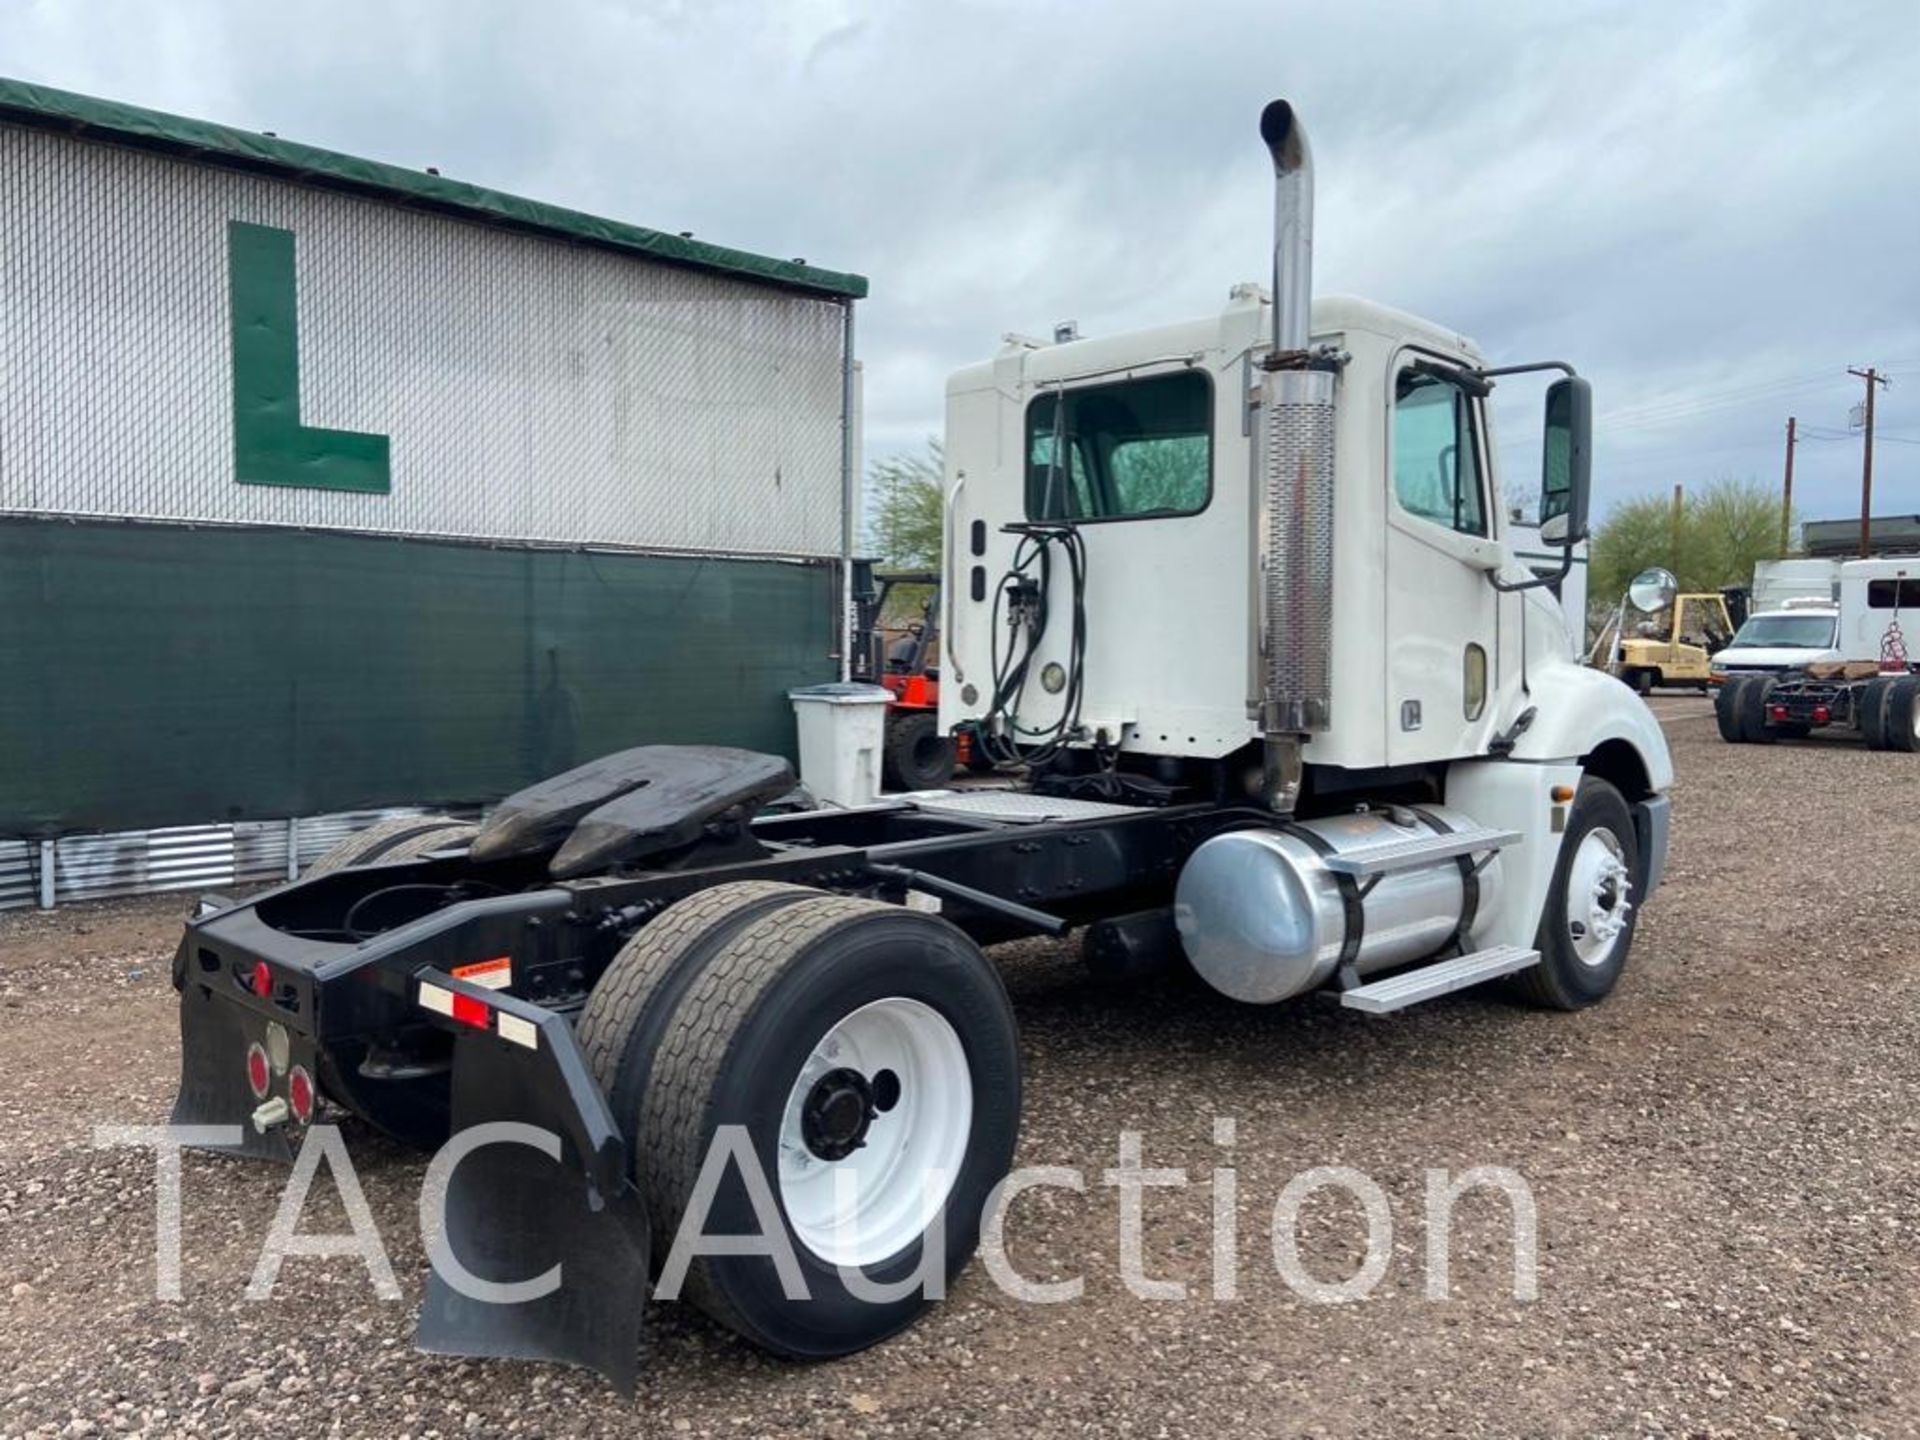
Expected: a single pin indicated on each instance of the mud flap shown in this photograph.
(213, 1075)
(513, 1211)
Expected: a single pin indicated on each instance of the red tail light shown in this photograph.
(262, 979)
(469, 1011)
(300, 1094)
(258, 1075)
(1778, 712)
(1821, 714)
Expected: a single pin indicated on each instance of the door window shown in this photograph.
(1436, 462)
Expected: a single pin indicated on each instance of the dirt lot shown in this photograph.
(1725, 1158)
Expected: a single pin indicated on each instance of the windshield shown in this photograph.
(1787, 632)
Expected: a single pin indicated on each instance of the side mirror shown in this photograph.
(1566, 471)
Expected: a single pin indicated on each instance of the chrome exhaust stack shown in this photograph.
(1292, 226)
(1294, 465)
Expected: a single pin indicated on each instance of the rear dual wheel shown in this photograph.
(1740, 711)
(860, 1056)
(1889, 713)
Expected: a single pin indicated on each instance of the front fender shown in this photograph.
(1577, 709)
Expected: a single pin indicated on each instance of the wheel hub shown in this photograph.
(1599, 896)
(836, 1113)
(875, 1131)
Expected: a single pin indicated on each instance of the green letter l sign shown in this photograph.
(270, 445)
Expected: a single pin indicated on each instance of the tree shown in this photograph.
(904, 514)
(1724, 528)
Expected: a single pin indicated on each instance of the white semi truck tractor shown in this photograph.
(1230, 605)
(1260, 556)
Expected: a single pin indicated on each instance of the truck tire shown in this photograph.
(403, 838)
(926, 1090)
(1644, 681)
(1755, 691)
(1871, 710)
(1726, 710)
(918, 756)
(1587, 927)
(1900, 729)
(635, 996)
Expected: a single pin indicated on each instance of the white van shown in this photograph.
(1774, 641)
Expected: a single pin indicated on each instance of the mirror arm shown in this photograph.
(1507, 587)
(1488, 372)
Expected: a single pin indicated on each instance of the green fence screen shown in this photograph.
(155, 675)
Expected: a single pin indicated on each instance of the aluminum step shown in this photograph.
(1394, 855)
(1410, 987)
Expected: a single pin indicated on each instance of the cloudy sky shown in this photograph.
(1710, 208)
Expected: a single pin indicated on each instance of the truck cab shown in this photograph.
(1159, 480)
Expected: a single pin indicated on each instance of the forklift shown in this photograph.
(917, 755)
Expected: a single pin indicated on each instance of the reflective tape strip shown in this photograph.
(434, 998)
(520, 1032)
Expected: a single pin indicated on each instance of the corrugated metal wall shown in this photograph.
(530, 389)
(181, 857)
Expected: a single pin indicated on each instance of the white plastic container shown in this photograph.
(843, 729)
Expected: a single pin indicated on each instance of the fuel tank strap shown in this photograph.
(1469, 882)
(1352, 903)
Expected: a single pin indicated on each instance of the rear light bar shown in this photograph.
(470, 1010)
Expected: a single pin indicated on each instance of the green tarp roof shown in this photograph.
(221, 144)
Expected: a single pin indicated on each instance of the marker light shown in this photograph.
(262, 979)
(300, 1094)
(258, 1075)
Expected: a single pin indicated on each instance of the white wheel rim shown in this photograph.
(861, 1208)
(1599, 896)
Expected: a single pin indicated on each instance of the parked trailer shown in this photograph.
(667, 982)
(1864, 686)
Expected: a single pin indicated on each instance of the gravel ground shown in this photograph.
(1724, 1159)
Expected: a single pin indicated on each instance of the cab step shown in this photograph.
(1410, 987)
(1395, 855)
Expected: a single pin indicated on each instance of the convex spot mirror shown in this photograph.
(1652, 590)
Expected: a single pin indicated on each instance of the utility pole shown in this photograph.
(1673, 532)
(1786, 491)
(1875, 381)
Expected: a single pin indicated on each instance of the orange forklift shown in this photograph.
(917, 755)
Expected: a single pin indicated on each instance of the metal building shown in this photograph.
(327, 485)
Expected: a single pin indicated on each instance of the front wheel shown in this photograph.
(863, 1059)
(1587, 928)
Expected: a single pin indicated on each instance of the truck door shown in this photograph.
(1441, 648)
